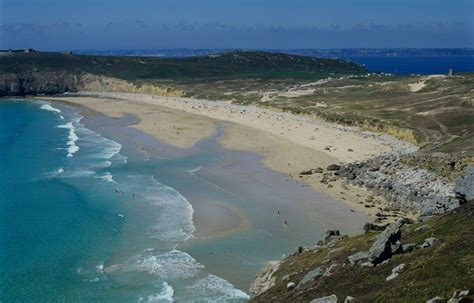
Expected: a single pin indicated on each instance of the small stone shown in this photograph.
(436, 299)
(327, 299)
(367, 264)
(391, 276)
(290, 285)
(429, 242)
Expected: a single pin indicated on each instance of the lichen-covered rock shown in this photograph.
(387, 243)
(264, 279)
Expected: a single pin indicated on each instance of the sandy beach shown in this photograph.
(288, 143)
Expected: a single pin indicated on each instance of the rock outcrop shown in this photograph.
(53, 83)
(387, 243)
(264, 279)
(37, 83)
(404, 187)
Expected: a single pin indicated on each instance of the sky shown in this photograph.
(248, 24)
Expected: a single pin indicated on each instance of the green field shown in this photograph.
(231, 65)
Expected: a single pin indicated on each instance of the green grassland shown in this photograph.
(434, 271)
(231, 65)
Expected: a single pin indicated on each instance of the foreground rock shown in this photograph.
(264, 279)
(464, 187)
(387, 243)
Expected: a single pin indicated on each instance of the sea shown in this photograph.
(82, 219)
(93, 210)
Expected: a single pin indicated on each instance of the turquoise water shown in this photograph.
(94, 211)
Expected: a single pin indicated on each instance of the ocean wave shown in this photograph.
(106, 177)
(72, 147)
(175, 224)
(174, 215)
(212, 289)
(108, 148)
(164, 296)
(48, 107)
(170, 265)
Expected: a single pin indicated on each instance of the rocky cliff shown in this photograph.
(51, 83)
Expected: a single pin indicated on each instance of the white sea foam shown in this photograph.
(212, 289)
(72, 147)
(166, 295)
(170, 265)
(192, 171)
(107, 177)
(48, 107)
(78, 174)
(175, 224)
(174, 215)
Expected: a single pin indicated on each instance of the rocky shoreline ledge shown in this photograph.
(407, 189)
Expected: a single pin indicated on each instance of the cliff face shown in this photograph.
(36, 83)
(51, 83)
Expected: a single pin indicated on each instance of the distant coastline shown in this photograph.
(384, 60)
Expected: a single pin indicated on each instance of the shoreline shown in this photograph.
(182, 122)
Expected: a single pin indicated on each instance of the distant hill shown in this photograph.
(230, 65)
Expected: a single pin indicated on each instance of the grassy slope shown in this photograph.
(433, 271)
(227, 66)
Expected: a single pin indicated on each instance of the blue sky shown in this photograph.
(139, 24)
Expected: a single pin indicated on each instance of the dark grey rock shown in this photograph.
(464, 187)
(387, 243)
(333, 167)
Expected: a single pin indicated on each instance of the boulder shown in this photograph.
(333, 167)
(327, 299)
(464, 187)
(387, 243)
(309, 276)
